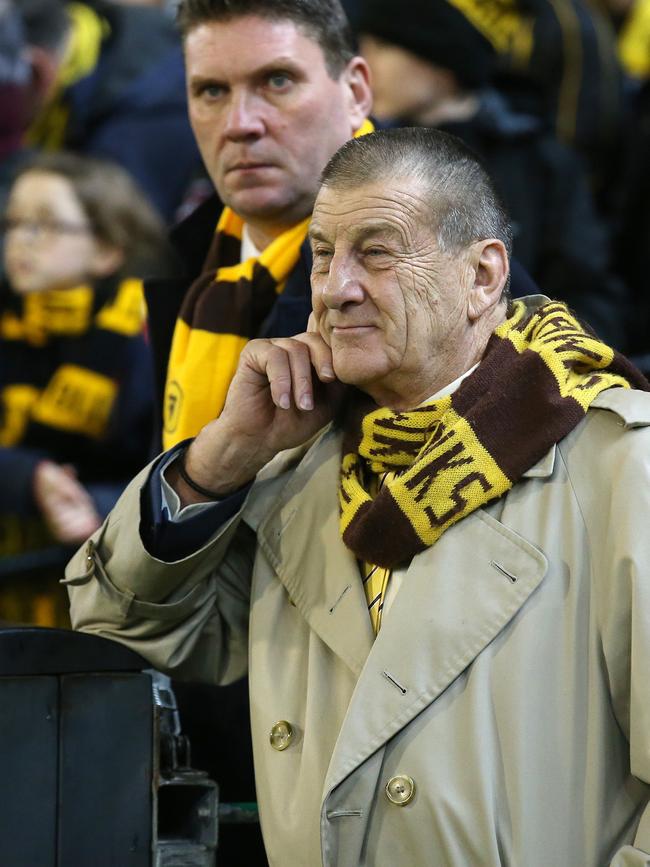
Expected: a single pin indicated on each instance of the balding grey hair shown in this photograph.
(465, 206)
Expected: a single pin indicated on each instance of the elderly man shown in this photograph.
(436, 580)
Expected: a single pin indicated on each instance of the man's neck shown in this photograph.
(263, 234)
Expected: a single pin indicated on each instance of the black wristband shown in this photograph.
(180, 464)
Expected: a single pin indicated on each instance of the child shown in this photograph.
(75, 379)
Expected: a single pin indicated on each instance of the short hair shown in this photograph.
(465, 205)
(115, 206)
(322, 20)
(45, 22)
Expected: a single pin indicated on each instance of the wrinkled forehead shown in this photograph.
(388, 206)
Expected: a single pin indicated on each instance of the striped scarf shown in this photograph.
(538, 376)
(58, 358)
(61, 365)
(223, 309)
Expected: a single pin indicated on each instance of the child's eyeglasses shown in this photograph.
(40, 229)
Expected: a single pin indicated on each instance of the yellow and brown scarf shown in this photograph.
(537, 378)
(58, 351)
(223, 309)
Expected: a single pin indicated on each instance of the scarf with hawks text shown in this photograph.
(538, 376)
(223, 309)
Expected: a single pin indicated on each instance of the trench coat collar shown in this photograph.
(455, 599)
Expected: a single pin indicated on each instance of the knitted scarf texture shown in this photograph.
(538, 377)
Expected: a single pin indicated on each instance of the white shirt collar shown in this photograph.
(248, 249)
(453, 386)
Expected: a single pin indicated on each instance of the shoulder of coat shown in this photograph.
(630, 405)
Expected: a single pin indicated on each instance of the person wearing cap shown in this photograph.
(433, 67)
(420, 526)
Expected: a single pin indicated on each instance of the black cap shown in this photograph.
(434, 30)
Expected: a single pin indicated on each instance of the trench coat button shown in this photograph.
(281, 735)
(400, 790)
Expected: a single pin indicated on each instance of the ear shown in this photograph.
(106, 260)
(489, 260)
(356, 80)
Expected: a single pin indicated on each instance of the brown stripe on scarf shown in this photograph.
(538, 376)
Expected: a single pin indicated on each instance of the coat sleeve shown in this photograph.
(616, 515)
(189, 618)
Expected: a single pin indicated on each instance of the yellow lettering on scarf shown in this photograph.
(574, 357)
(17, 401)
(77, 400)
(457, 476)
(126, 313)
(55, 312)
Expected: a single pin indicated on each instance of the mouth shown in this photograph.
(249, 167)
(351, 330)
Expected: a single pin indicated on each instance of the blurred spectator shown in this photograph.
(563, 64)
(432, 67)
(75, 375)
(14, 81)
(634, 39)
(633, 236)
(108, 80)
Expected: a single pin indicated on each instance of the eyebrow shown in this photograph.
(283, 64)
(361, 233)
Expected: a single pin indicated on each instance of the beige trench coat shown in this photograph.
(510, 680)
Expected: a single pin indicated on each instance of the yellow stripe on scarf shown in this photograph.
(202, 362)
(196, 396)
(76, 399)
(445, 470)
(502, 23)
(566, 348)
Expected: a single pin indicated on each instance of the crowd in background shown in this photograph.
(97, 160)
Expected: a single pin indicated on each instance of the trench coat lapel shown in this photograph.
(301, 538)
(455, 599)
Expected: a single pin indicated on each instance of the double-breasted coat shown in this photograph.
(501, 716)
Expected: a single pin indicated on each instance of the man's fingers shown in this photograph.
(295, 356)
(278, 373)
(320, 354)
(288, 364)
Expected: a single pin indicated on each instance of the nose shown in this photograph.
(343, 285)
(244, 118)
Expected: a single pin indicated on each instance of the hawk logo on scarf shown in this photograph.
(173, 406)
